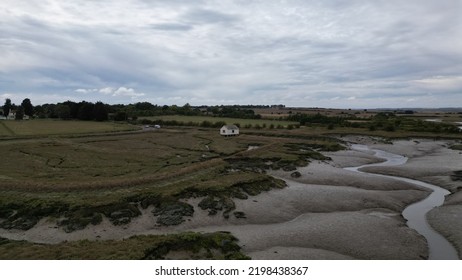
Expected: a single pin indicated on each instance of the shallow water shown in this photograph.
(433, 120)
(415, 214)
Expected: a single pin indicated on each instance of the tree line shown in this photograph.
(100, 111)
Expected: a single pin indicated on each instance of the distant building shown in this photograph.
(11, 115)
(229, 130)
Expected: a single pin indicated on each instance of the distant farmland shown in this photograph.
(241, 122)
(41, 127)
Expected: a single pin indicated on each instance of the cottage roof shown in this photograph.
(230, 127)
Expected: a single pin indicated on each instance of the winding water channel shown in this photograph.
(415, 214)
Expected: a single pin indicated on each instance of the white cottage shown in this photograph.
(11, 115)
(229, 130)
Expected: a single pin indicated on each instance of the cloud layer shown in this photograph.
(348, 54)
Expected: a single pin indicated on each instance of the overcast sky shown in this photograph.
(329, 53)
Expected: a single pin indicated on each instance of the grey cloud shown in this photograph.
(206, 16)
(305, 53)
(171, 27)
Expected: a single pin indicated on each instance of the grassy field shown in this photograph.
(241, 122)
(103, 160)
(40, 127)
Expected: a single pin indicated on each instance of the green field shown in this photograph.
(40, 127)
(241, 122)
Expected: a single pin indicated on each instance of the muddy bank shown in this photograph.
(429, 161)
(433, 162)
(447, 220)
(296, 253)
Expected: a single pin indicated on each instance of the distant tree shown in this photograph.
(74, 109)
(7, 107)
(62, 111)
(215, 110)
(120, 116)
(49, 110)
(100, 113)
(144, 106)
(28, 108)
(86, 111)
(19, 113)
(38, 110)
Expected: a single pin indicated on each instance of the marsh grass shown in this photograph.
(456, 147)
(80, 180)
(219, 245)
